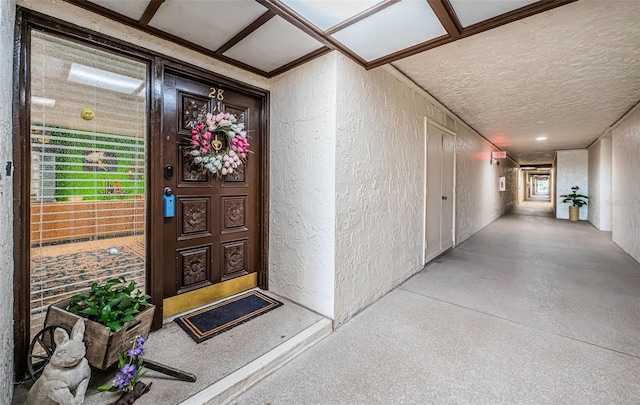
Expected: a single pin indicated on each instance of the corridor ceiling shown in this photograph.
(514, 70)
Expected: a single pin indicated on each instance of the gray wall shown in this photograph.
(7, 18)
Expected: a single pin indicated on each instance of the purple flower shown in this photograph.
(135, 352)
(129, 370)
(140, 341)
(122, 380)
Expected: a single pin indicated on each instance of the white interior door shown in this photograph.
(434, 186)
(448, 191)
(440, 192)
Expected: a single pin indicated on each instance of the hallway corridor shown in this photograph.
(530, 310)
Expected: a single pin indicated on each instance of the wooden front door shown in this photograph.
(211, 247)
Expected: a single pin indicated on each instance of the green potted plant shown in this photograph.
(116, 312)
(576, 200)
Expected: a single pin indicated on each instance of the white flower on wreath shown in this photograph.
(208, 144)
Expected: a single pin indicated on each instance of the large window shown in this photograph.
(88, 163)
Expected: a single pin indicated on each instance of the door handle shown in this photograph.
(444, 197)
(169, 203)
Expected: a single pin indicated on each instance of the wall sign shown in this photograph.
(502, 183)
(499, 155)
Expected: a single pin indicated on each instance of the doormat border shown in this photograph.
(199, 335)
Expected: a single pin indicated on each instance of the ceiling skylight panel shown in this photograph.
(470, 12)
(325, 14)
(132, 8)
(206, 23)
(272, 45)
(397, 27)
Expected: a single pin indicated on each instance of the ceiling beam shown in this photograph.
(105, 12)
(260, 21)
(306, 58)
(360, 16)
(495, 22)
(515, 15)
(149, 12)
(447, 17)
(294, 18)
(442, 9)
(432, 43)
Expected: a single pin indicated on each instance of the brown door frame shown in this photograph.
(158, 64)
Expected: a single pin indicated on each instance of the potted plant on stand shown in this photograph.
(116, 311)
(576, 200)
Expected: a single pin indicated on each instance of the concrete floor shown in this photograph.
(530, 310)
(211, 361)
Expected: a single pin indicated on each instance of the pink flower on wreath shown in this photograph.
(195, 137)
(235, 149)
(244, 155)
(199, 126)
(203, 150)
(194, 142)
(194, 131)
(207, 135)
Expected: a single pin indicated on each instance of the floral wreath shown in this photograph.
(219, 145)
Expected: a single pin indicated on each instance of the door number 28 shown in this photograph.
(216, 94)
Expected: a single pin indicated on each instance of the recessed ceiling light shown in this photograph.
(541, 138)
(47, 102)
(103, 79)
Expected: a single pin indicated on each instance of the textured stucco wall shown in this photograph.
(7, 15)
(478, 199)
(571, 170)
(380, 184)
(600, 184)
(302, 206)
(346, 172)
(76, 15)
(625, 188)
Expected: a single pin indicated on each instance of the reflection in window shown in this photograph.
(88, 169)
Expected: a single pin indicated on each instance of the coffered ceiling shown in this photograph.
(532, 77)
(268, 37)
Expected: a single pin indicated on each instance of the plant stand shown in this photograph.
(102, 346)
(574, 213)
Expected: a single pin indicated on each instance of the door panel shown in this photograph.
(440, 192)
(434, 196)
(448, 192)
(214, 236)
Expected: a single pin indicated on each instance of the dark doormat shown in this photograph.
(215, 319)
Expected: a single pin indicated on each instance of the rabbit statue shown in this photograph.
(65, 378)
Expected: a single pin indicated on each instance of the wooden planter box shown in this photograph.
(102, 345)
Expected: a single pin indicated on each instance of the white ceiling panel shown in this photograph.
(325, 14)
(130, 8)
(395, 28)
(470, 12)
(206, 23)
(274, 44)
